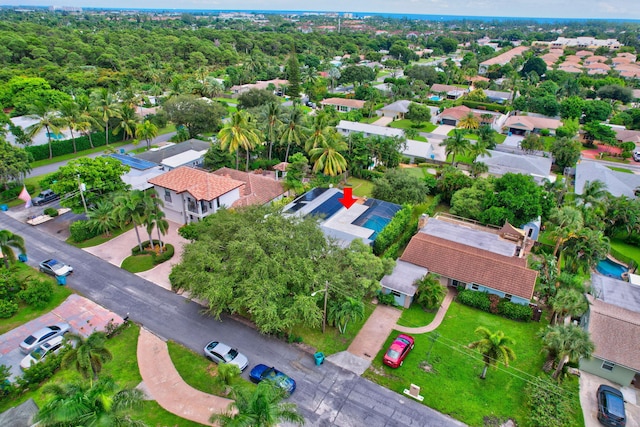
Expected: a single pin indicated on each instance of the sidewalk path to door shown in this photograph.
(164, 384)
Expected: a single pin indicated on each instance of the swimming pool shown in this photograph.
(376, 223)
(434, 98)
(610, 268)
(54, 135)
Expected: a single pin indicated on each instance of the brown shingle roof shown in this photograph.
(200, 184)
(530, 122)
(615, 331)
(471, 265)
(351, 103)
(258, 189)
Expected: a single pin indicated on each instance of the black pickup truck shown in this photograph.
(44, 197)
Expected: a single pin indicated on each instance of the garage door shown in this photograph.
(448, 122)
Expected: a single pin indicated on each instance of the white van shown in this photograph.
(50, 347)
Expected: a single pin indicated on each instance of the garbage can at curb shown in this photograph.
(22, 258)
(319, 356)
(62, 280)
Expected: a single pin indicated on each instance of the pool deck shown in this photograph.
(342, 221)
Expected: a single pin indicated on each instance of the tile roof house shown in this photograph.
(451, 116)
(258, 189)
(627, 135)
(524, 125)
(342, 104)
(260, 84)
(191, 194)
(614, 331)
(468, 255)
(616, 183)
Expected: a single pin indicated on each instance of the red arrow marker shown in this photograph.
(348, 200)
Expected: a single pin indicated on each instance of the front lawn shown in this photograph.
(100, 239)
(454, 387)
(632, 251)
(407, 124)
(137, 263)
(623, 170)
(415, 317)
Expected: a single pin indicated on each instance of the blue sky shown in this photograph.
(603, 9)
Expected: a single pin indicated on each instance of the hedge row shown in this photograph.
(59, 148)
(14, 190)
(394, 250)
(157, 258)
(508, 309)
(392, 232)
(485, 106)
(81, 230)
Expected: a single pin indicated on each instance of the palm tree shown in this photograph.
(87, 121)
(494, 348)
(70, 116)
(568, 343)
(87, 355)
(318, 131)
(565, 221)
(430, 292)
(8, 241)
(262, 407)
(292, 129)
(270, 118)
(479, 148)
(154, 217)
(346, 311)
(469, 122)
(478, 168)
(98, 404)
(327, 157)
(147, 131)
(130, 207)
(456, 144)
(239, 132)
(584, 249)
(487, 136)
(101, 218)
(593, 194)
(45, 118)
(568, 302)
(127, 121)
(106, 107)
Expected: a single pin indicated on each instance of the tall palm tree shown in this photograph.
(101, 218)
(239, 132)
(70, 117)
(127, 121)
(568, 343)
(130, 207)
(430, 292)
(327, 158)
(45, 118)
(147, 131)
(9, 241)
(101, 403)
(469, 122)
(584, 249)
(318, 131)
(593, 195)
(565, 221)
(262, 407)
(350, 309)
(479, 148)
(88, 121)
(494, 347)
(568, 302)
(154, 218)
(456, 144)
(270, 118)
(106, 107)
(292, 129)
(87, 355)
(487, 136)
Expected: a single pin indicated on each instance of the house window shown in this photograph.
(396, 293)
(608, 366)
(508, 296)
(167, 196)
(458, 283)
(475, 287)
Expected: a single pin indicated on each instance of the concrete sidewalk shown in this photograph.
(442, 311)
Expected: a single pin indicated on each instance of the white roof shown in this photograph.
(417, 149)
(369, 129)
(137, 179)
(183, 158)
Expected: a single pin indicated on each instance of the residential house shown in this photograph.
(524, 125)
(346, 128)
(467, 255)
(191, 194)
(594, 59)
(498, 97)
(614, 331)
(171, 156)
(627, 135)
(238, 90)
(597, 68)
(585, 43)
(259, 188)
(501, 59)
(500, 163)
(616, 183)
(448, 91)
(343, 105)
(452, 116)
(397, 110)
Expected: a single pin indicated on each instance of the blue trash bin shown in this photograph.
(122, 151)
(22, 258)
(319, 357)
(4, 207)
(62, 280)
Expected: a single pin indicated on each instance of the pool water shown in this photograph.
(609, 268)
(434, 98)
(376, 223)
(54, 135)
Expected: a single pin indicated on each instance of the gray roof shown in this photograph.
(501, 163)
(403, 277)
(157, 156)
(367, 129)
(19, 416)
(496, 94)
(465, 234)
(616, 292)
(616, 183)
(401, 106)
(417, 149)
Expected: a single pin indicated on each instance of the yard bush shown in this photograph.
(492, 303)
(514, 311)
(386, 299)
(9, 284)
(549, 406)
(52, 212)
(157, 258)
(13, 191)
(486, 106)
(394, 250)
(367, 174)
(40, 372)
(59, 148)
(81, 231)
(38, 293)
(475, 299)
(7, 308)
(392, 232)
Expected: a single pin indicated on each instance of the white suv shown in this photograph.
(50, 347)
(636, 156)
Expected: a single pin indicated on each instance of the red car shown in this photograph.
(399, 349)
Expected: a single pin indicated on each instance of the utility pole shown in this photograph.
(326, 293)
(82, 188)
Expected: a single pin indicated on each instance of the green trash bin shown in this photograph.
(319, 356)
(62, 280)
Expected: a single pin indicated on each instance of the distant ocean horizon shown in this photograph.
(409, 16)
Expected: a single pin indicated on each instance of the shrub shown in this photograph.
(59, 148)
(38, 293)
(392, 232)
(13, 191)
(52, 212)
(81, 231)
(479, 300)
(264, 164)
(8, 308)
(386, 299)
(515, 311)
(9, 285)
(394, 250)
(495, 301)
(367, 174)
(157, 258)
(549, 407)
(40, 372)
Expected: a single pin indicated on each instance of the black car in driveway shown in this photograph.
(611, 407)
(44, 197)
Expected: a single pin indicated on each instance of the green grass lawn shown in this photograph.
(454, 387)
(369, 120)
(406, 124)
(418, 172)
(137, 263)
(98, 240)
(623, 170)
(415, 316)
(361, 187)
(632, 251)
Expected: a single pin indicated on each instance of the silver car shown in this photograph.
(221, 353)
(43, 335)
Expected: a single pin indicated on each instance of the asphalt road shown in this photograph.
(326, 395)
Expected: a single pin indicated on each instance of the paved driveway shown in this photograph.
(443, 130)
(589, 384)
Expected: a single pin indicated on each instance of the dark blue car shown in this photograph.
(611, 407)
(263, 372)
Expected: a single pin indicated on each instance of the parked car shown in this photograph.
(264, 373)
(36, 356)
(398, 351)
(55, 268)
(221, 353)
(43, 335)
(44, 197)
(636, 156)
(611, 407)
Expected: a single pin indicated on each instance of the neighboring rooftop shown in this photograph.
(367, 129)
(159, 154)
(500, 163)
(343, 102)
(258, 189)
(403, 277)
(200, 184)
(616, 183)
(505, 57)
(616, 292)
